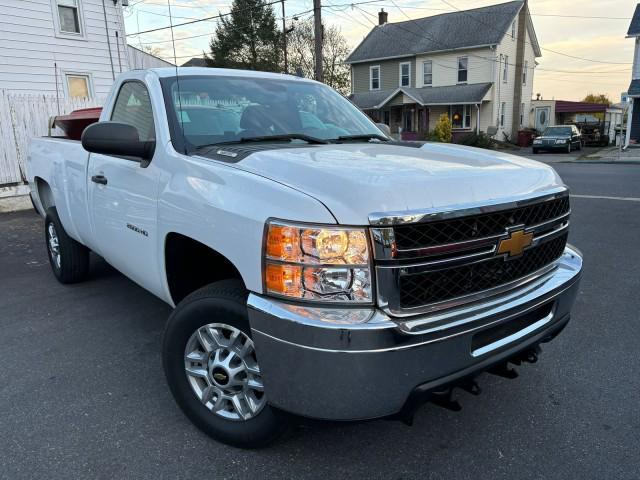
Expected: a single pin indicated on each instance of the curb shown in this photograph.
(14, 204)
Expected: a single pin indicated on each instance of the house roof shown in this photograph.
(196, 62)
(449, 31)
(634, 27)
(454, 94)
(634, 88)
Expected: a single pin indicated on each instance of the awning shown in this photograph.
(450, 95)
(564, 106)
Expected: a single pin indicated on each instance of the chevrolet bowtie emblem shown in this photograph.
(515, 244)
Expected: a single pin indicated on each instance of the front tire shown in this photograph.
(535, 151)
(68, 258)
(569, 148)
(210, 364)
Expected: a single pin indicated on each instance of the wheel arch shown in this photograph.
(190, 264)
(45, 198)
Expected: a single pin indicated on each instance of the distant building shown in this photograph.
(475, 66)
(196, 62)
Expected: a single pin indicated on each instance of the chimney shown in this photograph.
(382, 17)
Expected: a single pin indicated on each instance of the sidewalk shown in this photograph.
(612, 155)
(14, 198)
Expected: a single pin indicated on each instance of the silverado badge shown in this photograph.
(515, 243)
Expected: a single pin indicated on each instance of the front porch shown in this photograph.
(411, 113)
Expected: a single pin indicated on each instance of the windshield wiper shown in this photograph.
(267, 138)
(366, 136)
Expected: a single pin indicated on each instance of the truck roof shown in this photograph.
(217, 72)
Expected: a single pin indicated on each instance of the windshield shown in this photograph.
(224, 109)
(557, 131)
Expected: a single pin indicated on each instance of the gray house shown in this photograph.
(475, 66)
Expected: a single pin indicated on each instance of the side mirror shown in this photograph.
(384, 128)
(117, 139)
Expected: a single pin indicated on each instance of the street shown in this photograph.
(83, 394)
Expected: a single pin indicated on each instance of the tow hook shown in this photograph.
(443, 396)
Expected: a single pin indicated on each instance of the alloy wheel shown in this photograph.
(222, 369)
(54, 245)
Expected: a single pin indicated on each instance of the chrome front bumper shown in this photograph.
(360, 363)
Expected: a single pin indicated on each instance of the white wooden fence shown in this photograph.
(23, 117)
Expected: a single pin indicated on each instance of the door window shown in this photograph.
(133, 106)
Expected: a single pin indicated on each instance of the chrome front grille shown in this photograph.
(451, 258)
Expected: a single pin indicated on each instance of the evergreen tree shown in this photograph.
(247, 38)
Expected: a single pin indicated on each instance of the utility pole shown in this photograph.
(317, 23)
(284, 40)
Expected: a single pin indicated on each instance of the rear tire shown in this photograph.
(68, 258)
(535, 151)
(222, 397)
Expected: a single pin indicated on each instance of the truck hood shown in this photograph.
(356, 180)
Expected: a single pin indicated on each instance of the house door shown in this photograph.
(542, 118)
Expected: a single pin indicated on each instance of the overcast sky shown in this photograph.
(600, 39)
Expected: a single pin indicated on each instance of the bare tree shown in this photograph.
(301, 50)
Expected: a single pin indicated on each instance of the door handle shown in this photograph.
(101, 179)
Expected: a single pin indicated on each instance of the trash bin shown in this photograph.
(525, 138)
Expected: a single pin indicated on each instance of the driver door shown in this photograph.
(123, 196)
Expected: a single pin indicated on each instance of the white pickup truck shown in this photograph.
(316, 266)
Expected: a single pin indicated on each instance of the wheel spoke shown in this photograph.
(255, 384)
(209, 394)
(204, 340)
(253, 368)
(239, 408)
(197, 372)
(197, 357)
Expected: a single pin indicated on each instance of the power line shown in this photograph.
(446, 2)
(488, 59)
(586, 17)
(199, 20)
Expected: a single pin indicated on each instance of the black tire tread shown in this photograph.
(75, 256)
(228, 295)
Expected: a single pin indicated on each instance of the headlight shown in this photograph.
(537, 140)
(561, 141)
(320, 263)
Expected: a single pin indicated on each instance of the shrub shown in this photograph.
(480, 140)
(442, 129)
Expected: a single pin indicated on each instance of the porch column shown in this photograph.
(627, 137)
(477, 119)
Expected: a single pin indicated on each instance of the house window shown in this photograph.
(462, 69)
(79, 85)
(503, 107)
(521, 114)
(505, 70)
(524, 72)
(374, 78)
(460, 116)
(427, 73)
(69, 15)
(513, 30)
(405, 74)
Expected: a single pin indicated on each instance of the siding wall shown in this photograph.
(140, 60)
(389, 74)
(445, 67)
(506, 90)
(30, 45)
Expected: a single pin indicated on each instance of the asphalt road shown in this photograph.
(82, 393)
